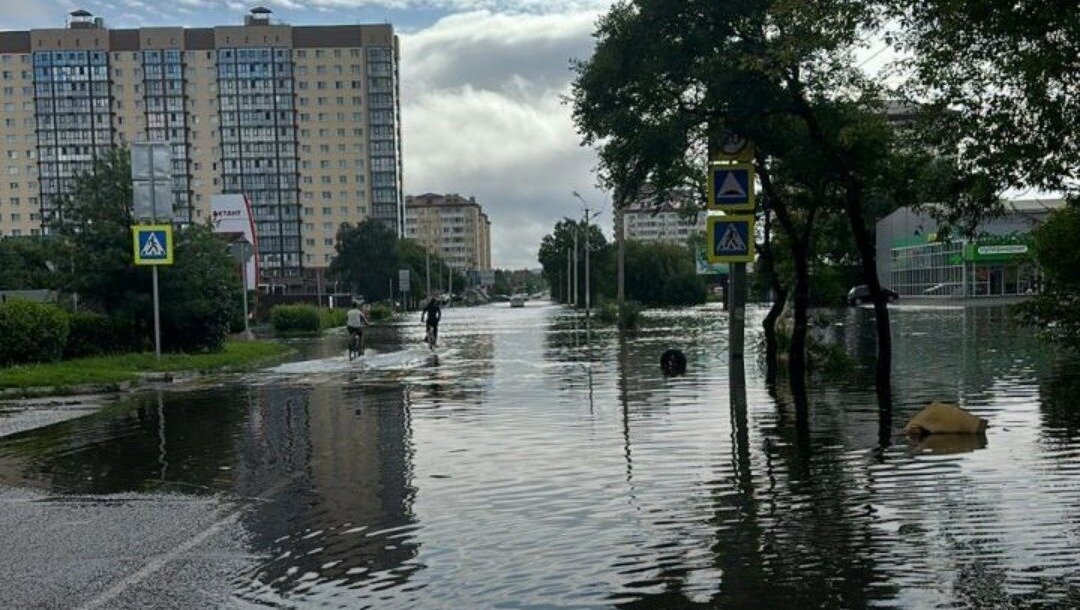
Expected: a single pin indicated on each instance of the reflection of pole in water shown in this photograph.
(161, 435)
(589, 355)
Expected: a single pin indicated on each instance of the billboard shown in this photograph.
(232, 215)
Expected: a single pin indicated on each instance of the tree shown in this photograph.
(558, 246)
(1057, 249)
(1008, 76)
(669, 77)
(662, 274)
(25, 262)
(367, 259)
(197, 291)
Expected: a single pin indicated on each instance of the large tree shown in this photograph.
(367, 259)
(556, 249)
(668, 77)
(1009, 76)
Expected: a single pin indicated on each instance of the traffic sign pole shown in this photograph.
(157, 307)
(731, 188)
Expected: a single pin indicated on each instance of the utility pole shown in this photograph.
(569, 277)
(427, 270)
(588, 249)
(576, 270)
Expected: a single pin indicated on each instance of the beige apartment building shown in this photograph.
(305, 121)
(455, 228)
(645, 220)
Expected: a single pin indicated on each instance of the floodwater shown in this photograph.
(535, 463)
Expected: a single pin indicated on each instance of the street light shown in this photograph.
(588, 216)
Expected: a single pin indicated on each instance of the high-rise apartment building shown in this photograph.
(455, 228)
(303, 120)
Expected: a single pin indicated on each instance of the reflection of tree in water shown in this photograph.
(185, 442)
(1059, 392)
(328, 528)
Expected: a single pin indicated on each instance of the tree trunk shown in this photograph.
(769, 325)
(797, 353)
(779, 299)
(883, 371)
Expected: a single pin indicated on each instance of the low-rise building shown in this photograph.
(454, 227)
(916, 258)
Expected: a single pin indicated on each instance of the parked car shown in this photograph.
(861, 294)
(517, 301)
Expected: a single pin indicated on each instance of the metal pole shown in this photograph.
(243, 282)
(449, 280)
(588, 295)
(427, 270)
(576, 270)
(157, 317)
(569, 277)
(620, 237)
(737, 318)
(153, 214)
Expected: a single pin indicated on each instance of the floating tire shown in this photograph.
(673, 363)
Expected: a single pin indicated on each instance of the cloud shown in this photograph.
(483, 115)
(512, 6)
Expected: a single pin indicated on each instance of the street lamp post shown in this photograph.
(588, 247)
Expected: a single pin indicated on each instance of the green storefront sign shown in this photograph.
(1006, 248)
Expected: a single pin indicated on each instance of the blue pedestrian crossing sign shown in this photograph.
(731, 186)
(153, 244)
(731, 239)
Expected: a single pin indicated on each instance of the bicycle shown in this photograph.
(431, 335)
(356, 345)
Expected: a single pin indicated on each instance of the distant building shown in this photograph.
(455, 228)
(644, 220)
(303, 120)
(915, 259)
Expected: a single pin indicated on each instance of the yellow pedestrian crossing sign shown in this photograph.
(730, 239)
(153, 244)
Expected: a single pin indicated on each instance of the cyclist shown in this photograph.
(432, 314)
(355, 321)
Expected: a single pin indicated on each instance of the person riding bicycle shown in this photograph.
(355, 321)
(432, 314)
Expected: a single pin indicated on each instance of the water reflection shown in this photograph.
(540, 461)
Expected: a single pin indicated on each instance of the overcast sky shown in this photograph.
(481, 88)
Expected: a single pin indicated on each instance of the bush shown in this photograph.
(380, 312)
(626, 319)
(295, 319)
(332, 318)
(92, 334)
(31, 332)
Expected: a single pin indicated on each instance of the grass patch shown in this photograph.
(103, 370)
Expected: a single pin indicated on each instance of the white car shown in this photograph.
(517, 301)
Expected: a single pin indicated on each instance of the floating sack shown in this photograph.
(944, 418)
(673, 362)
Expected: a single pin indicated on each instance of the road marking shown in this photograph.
(162, 560)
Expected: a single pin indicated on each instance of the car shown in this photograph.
(517, 301)
(861, 294)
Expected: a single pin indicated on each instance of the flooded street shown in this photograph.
(534, 463)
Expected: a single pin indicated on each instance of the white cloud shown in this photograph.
(483, 116)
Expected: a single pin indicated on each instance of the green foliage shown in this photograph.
(558, 247)
(367, 259)
(417, 260)
(332, 318)
(1056, 311)
(295, 319)
(661, 274)
(197, 292)
(1007, 74)
(626, 318)
(24, 263)
(380, 312)
(520, 281)
(31, 332)
(128, 367)
(94, 334)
